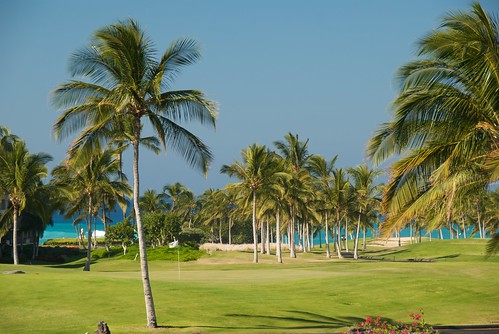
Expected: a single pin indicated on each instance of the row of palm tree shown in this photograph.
(297, 190)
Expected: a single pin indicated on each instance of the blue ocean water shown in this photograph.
(63, 228)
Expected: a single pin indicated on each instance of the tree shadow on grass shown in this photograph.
(72, 265)
(298, 320)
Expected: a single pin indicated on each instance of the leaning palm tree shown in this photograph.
(445, 125)
(123, 83)
(20, 176)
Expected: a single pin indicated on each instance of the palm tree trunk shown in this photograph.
(346, 234)
(328, 253)
(292, 246)
(267, 237)
(338, 236)
(364, 243)
(15, 254)
(262, 236)
(149, 303)
(357, 232)
(220, 231)
(255, 237)
(230, 230)
(89, 234)
(278, 237)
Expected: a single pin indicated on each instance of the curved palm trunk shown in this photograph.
(328, 253)
(14, 234)
(255, 237)
(356, 246)
(150, 310)
(278, 238)
(338, 237)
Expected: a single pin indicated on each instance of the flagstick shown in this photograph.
(178, 261)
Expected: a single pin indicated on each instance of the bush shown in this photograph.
(165, 253)
(192, 237)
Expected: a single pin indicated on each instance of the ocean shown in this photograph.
(63, 228)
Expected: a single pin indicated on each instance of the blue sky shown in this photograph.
(324, 70)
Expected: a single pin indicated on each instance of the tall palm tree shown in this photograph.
(322, 171)
(257, 171)
(295, 153)
(445, 125)
(88, 180)
(366, 193)
(123, 83)
(20, 177)
(339, 195)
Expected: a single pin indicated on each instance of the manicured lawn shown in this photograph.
(225, 292)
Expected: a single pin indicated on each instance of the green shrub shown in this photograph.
(165, 253)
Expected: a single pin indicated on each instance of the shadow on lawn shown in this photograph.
(298, 320)
(72, 265)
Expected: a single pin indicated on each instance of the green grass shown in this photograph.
(225, 292)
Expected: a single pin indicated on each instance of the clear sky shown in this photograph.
(322, 69)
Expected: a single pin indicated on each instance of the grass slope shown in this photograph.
(225, 292)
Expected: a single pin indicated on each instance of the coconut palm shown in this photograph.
(445, 123)
(151, 201)
(123, 83)
(88, 180)
(20, 177)
(296, 155)
(322, 171)
(340, 196)
(257, 171)
(174, 192)
(366, 193)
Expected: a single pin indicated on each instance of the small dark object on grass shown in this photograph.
(102, 328)
(14, 272)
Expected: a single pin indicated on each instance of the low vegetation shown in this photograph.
(226, 292)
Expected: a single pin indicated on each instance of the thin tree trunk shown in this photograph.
(338, 236)
(15, 254)
(464, 228)
(262, 237)
(292, 246)
(364, 243)
(278, 238)
(89, 233)
(267, 237)
(230, 230)
(328, 253)
(144, 268)
(220, 231)
(346, 234)
(255, 237)
(356, 245)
